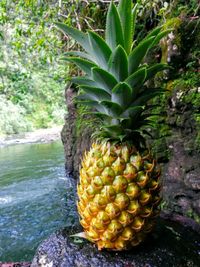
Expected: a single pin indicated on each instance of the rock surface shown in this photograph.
(73, 146)
(173, 244)
(15, 264)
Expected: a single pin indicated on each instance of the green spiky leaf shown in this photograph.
(117, 60)
(117, 129)
(132, 111)
(98, 93)
(83, 64)
(114, 34)
(138, 53)
(78, 54)
(154, 32)
(128, 17)
(79, 36)
(114, 108)
(153, 70)
(103, 79)
(121, 94)
(136, 80)
(160, 36)
(147, 95)
(89, 101)
(82, 81)
(99, 49)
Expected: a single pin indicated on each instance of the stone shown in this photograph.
(15, 264)
(174, 242)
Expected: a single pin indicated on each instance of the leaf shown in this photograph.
(81, 235)
(139, 53)
(84, 64)
(87, 97)
(99, 49)
(147, 133)
(121, 94)
(113, 108)
(151, 71)
(127, 17)
(154, 32)
(82, 81)
(98, 93)
(132, 111)
(118, 63)
(146, 96)
(79, 36)
(87, 100)
(114, 34)
(134, 14)
(101, 115)
(78, 54)
(160, 36)
(136, 80)
(115, 130)
(103, 79)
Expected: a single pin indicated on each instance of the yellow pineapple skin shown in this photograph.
(119, 195)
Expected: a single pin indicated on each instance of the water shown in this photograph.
(36, 198)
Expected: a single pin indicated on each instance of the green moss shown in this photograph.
(193, 215)
(84, 120)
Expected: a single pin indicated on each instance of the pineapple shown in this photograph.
(119, 189)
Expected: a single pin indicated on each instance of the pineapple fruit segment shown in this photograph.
(118, 198)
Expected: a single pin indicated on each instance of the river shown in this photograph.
(36, 198)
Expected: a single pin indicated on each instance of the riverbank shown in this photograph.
(37, 136)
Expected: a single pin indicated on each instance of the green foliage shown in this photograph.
(117, 70)
(29, 73)
(12, 118)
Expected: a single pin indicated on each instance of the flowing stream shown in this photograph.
(36, 198)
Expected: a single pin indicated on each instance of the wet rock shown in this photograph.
(181, 183)
(15, 264)
(173, 243)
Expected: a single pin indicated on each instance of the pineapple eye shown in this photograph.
(108, 193)
(127, 233)
(142, 179)
(118, 166)
(112, 210)
(130, 173)
(107, 176)
(115, 227)
(145, 197)
(137, 223)
(122, 201)
(133, 207)
(97, 182)
(136, 160)
(132, 190)
(120, 184)
(125, 218)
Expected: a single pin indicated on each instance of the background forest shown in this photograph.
(31, 78)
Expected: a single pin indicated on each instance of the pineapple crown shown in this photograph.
(115, 74)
